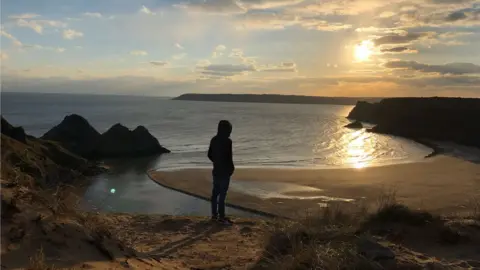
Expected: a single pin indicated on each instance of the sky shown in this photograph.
(358, 48)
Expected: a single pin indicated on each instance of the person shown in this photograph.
(220, 154)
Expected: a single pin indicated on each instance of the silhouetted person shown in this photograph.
(220, 153)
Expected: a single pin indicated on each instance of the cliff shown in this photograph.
(270, 98)
(443, 119)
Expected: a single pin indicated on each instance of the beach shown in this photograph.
(441, 184)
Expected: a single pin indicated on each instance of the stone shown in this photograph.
(119, 141)
(76, 135)
(355, 125)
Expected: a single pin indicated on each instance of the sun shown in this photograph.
(363, 50)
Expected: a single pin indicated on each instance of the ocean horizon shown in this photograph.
(264, 135)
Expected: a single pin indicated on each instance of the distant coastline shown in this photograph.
(272, 98)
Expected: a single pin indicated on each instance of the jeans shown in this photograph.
(219, 193)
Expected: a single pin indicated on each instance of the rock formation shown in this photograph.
(120, 141)
(75, 134)
(16, 133)
(443, 119)
(78, 136)
(355, 125)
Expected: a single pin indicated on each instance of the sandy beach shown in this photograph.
(441, 184)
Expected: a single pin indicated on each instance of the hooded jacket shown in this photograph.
(220, 150)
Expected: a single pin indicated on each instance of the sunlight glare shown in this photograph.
(363, 50)
(358, 152)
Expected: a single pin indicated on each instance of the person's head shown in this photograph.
(224, 128)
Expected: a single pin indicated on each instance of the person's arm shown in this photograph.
(230, 157)
(210, 156)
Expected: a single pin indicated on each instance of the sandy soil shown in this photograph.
(442, 184)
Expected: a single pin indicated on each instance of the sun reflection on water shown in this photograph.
(359, 149)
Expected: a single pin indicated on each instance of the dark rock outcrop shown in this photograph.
(120, 141)
(355, 125)
(78, 136)
(363, 111)
(16, 133)
(75, 134)
(41, 163)
(444, 119)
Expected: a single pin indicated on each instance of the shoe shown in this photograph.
(225, 221)
(214, 218)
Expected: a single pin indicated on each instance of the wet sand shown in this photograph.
(441, 184)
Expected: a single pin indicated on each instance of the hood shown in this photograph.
(224, 129)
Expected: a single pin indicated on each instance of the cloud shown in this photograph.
(203, 63)
(43, 48)
(381, 30)
(3, 56)
(265, 4)
(340, 7)
(71, 34)
(402, 38)
(23, 16)
(467, 14)
(220, 48)
(386, 14)
(30, 24)
(159, 63)
(226, 70)
(179, 46)
(265, 20)
(93, 14)
(14, 40)
(427, 85)
(179, 56)
(450, 68)
(441, 14)
(138, 53)
(238, 53)
(213, 6)
(283, 67)
(146, 10)
(38, 25)
(396, 50)
(275, 20)
(453, 35)
(321, 25)
(455, 16)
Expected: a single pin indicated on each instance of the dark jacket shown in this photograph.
(220, 151)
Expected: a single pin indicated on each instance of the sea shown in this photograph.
(274, 135)
(264, 135)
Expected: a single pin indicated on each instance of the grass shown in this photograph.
(37, 261)
(324, 241)
(329, 240)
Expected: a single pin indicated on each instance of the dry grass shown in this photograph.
(475, 206)
(329, 239)
(37, 261)
(322, 241)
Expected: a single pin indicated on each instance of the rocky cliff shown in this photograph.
(444, 119)
(77, 135)
(45, 163)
